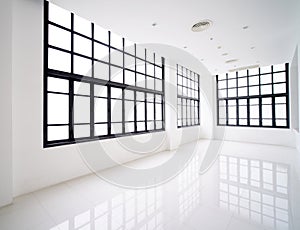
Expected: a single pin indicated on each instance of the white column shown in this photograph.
(6, 102)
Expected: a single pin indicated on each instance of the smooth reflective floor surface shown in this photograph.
(249, 186)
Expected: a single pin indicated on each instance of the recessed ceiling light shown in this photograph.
(231, 60)
(184, 47)
(224, 54)
(219, 47)
(245, 27)
(252, 47)
(154, 24)
(202, 25)
(202, 59)
(211, 39)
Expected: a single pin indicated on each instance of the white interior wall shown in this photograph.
(35, 167)
(294, 93)
(6, 103)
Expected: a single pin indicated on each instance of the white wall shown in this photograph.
(5, 103)
(35, 167)
(294, 92)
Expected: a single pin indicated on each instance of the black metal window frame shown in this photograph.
(151, 96)
(255, 99)
(188, 97)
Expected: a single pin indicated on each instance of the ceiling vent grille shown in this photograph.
(202, 25)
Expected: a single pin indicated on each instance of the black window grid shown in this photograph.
(188, 97)
(157, 89)
(264, 96)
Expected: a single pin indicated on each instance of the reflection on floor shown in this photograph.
(255, 189)
(249, 187)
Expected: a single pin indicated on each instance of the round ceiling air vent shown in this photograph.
(202, 25)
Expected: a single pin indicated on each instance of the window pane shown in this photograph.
(158, 72)
(140, 81)
(141, 126)
(159, 125)
(129, 127)
(281, 123)
(279, 67)
(58, 133)
(100, 91)
(254, 90)
(158, 111)
(82, 66)
(58, 85)
(116, 74)
(129, 77)
(150, 111)
(116, 110)
(100, 110)
(59, 60)
(59, 16)
(253, 71)
(254, 80)
(140, 111)
(101, 34)
(266, 79)
(280, 88)
(101, 52)
(82, 26)
(116, 128)
(116, 93)
(279, 77)
(116, 57)
(150, 125)
(129, 62)
(59, 37)
(116, 41)
(58, 109)
(266, 89)
(280, 111)
(81, 88)
(129, 46)
(140, 66)
(265, 69)
(129, 111)
(242, 81)
(150, 83)
(150, 69)
(100, 129)
(81, 109)
(81, 131)
(101, 70)
(242, 92)
(82, 45)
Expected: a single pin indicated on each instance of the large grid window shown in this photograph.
(97, 84)
(257, 97)
(188, 97)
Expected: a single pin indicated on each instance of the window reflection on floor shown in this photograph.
(132, 209)
(189, 186)
(256, 190)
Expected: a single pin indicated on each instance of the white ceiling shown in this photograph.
(274, 27)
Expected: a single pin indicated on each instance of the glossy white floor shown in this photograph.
(249, 186)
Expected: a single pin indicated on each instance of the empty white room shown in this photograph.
(175, 115)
